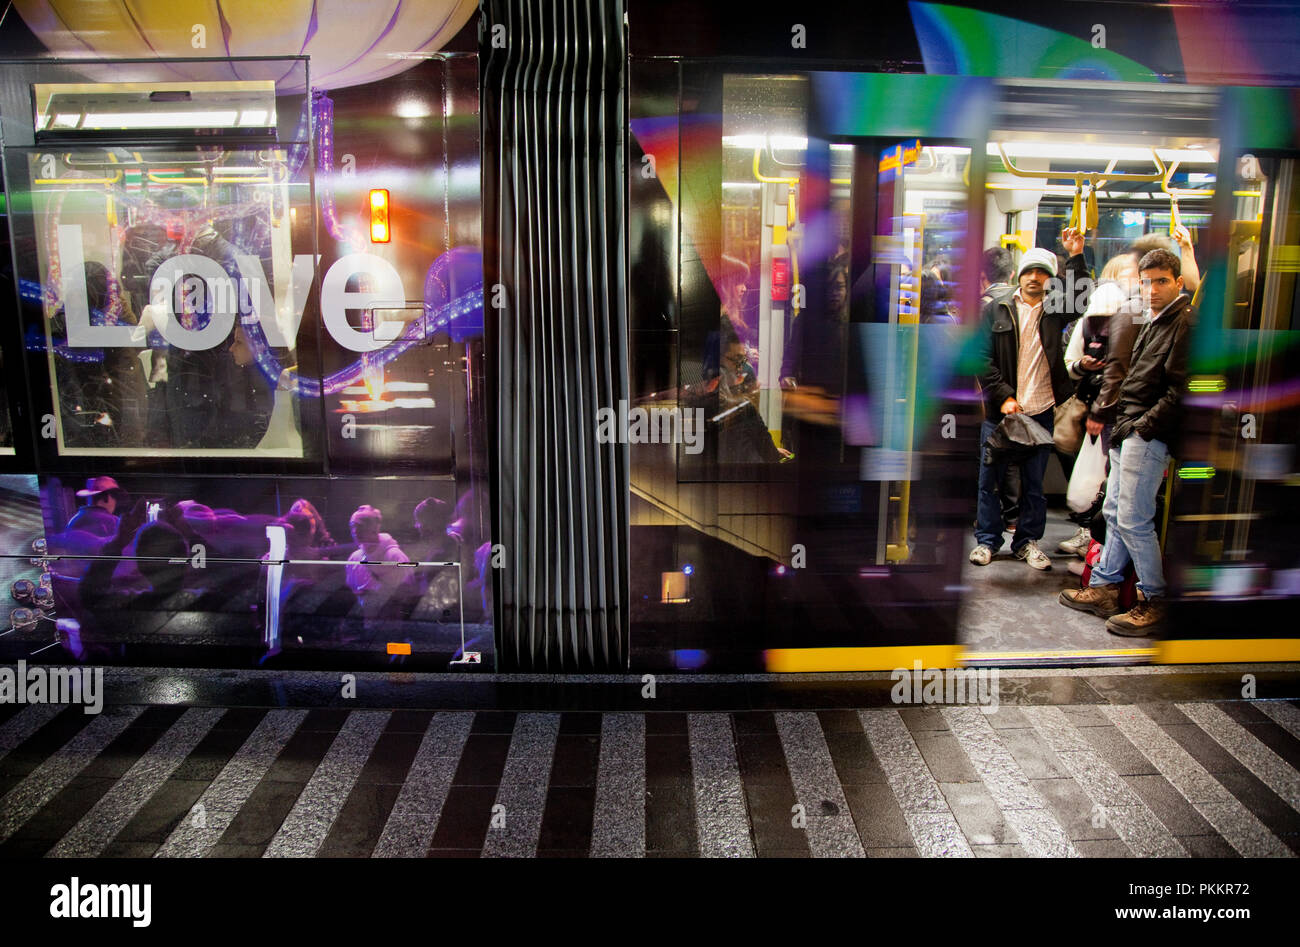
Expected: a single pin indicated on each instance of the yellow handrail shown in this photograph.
(1080, 176)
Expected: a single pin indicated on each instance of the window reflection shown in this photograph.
(169, 320)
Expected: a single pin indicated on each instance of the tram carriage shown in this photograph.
(333, 351)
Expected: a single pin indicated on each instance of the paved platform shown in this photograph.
(1098, 763)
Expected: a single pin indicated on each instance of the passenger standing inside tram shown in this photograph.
(995, 271)
(1148, 411)
(1097, 359)
(1024, 371)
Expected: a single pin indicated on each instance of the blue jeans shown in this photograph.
(1033, 505)
(1136, 470)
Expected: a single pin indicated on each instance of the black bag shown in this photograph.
(1015, 439)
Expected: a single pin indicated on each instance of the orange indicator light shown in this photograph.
(379, 231)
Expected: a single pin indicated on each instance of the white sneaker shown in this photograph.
(1076, 566)
(981, 555)
(1077, 544)
(1034, 556)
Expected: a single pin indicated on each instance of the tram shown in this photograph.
(475, 347)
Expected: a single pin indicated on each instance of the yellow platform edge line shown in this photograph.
(1228, 651)
(1095, 653)
(793, 660)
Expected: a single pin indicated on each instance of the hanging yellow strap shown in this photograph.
(1175, 221)
(1074, 208)
(1093, 215)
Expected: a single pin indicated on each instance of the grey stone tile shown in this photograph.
(918, 719)
(1084, 715)
(943, 755)
(878, 818)
(1207, 846)
(816, 785)
(618, 823)
(937, 835)
(1121, 755)
(999, 851)
(1178, 815)
(1075, 812)
(1040, 834)
(25, 723)
(523, 787)
(909, 777)
(1102, 848)
(413, 820)
(1245, 833)
(1283, 713)
(902, 852)
(719, 796)
(1005, 718)
(1034, 757)
(977, 814)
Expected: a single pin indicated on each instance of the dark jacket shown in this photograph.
(1000, 341)
(1150, 400)
(1119, 351)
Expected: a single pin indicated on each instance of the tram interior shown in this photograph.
(1124, 193)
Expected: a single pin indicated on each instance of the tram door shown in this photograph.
(1133, 167)
(1233, 530)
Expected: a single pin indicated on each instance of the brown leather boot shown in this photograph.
(1144, 620)
(1099, 600)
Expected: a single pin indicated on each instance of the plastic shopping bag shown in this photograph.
(1089, 472)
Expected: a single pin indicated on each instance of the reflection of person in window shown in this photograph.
(374, 585)
(214, 398)
(101, 394)
(98, 516)
(730, 410)
(162, 549)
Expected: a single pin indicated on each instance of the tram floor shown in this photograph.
(1010, 607)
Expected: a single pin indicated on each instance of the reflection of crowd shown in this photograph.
(140, 556)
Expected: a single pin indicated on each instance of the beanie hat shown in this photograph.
(1037, 257)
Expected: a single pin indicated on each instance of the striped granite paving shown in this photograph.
(45, 782)
(217, 807)
(1162, 780)
(932, 824)
(414, 818)
(521, 798)
(129, 794)
(1230, 818)
(1137, 826)
(1039, 831)
(309, 821)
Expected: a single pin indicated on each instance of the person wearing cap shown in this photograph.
(98, 517)
(1024, 371)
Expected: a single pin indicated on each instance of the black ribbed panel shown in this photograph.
(554, 200)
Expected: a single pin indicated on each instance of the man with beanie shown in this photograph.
(1024, 370)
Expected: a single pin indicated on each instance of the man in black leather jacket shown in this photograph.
(1148, 412)
(1024, 370)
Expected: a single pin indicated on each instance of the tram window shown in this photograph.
(164, 290)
